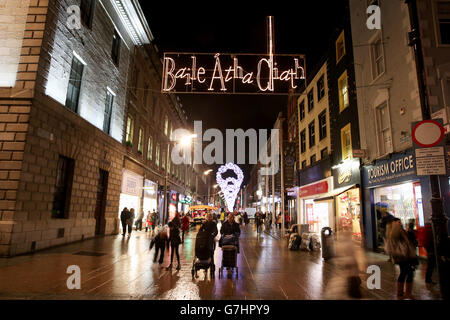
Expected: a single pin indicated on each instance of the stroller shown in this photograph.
(204, 248)
(230, 248)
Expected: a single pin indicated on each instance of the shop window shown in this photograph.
(323, 125)
(63, 188)
(312, 134)
(340, 47)
(302, 110)
(150, 148)
(115, 51)
(321, 88)
(346, 142)
(157, 151)
(343, 91)
(73, 90)
(141, 141)
(108, 112)
(377, 56)
(311, 100)
(303, 141)
(443, 16)
(348, 213)
(87, 12)
(383, 129)
(130, 130)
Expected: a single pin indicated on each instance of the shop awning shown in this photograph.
(330, 195)
(201, 208)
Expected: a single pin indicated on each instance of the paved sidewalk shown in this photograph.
(117, 267)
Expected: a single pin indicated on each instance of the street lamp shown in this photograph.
(184, 141)
(206, 173)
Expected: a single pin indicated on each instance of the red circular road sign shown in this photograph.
(428, 133)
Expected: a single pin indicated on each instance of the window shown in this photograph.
(166, 125)
(150, 148)
(304, 165)
(310, 100)
(323, 125)
(343, 92)
(303, 141)
(63, 188)
(157, 155)
(87, 11)
(377, 58)
(383, 129)
(108, 112)
(346, 142)
(340, 47)
(321, 88)
(163, 160)
(312, 134)
(141, 141)
(302, 110)
(130, 129)
(170, 131)
(324, 153)
(443, 12)
(115, 52)
(73, 90)
(313, 159)
(169, 167)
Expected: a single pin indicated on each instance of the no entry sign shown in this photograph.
(428, 133)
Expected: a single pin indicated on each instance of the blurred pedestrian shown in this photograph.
(130, 221)
(174, 240)
(124, 215)
(222, 216)
(160, 241)
(403, 252)
(211, 228)
(428, 244)
(278, 221)
(154, 219)
(184, 226)
(139, 221)
(148, 221)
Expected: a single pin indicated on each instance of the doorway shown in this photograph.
(100, 206)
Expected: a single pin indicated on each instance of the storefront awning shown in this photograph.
(330, 195)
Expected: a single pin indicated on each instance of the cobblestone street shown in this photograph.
(117, 267)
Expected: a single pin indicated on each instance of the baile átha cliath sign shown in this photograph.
(232, 73)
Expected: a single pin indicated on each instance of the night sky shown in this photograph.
(301, 27)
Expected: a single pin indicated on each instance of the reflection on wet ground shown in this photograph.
(117, 267)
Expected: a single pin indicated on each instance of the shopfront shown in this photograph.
(131, 193)
(393, 185)
(316, 210)
(173, 202)
(150, 196)
(292, 195)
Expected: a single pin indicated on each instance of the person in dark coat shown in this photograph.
(124, 216)
(230, 227)
(160, 241)
(174, 240)
(211, 228)
(184, 226)
(139, 221)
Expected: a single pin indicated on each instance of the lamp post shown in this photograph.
(206, 173)
(184, 140)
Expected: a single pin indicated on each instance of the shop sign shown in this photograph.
(292, 192)
(346, 174)
(173, 195)
(317, 188)
(399, 168)
(428, 137)
(131, 183)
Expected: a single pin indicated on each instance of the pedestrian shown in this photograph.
(174, 240)
(211, 227)
(184, 226)
(287, 220)
(428, 244)
(259, 222)
(177, 220)
(130, 221)
(148, 221)
(139, 221)
(230, 227)
(278, 221)
(124, 215)
(403, 252)
(222, 217)
(160, 241)
(154, 219)
(385, 224)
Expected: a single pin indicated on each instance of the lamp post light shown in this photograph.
(184, 141)
(206, 173)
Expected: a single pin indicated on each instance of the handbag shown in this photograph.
(401, 250)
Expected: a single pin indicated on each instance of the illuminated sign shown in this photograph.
(232, 73)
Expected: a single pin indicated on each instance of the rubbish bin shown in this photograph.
(327, 243)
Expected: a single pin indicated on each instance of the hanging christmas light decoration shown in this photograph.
(230, 186)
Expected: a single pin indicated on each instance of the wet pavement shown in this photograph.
(117, 267)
